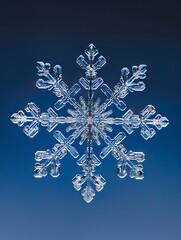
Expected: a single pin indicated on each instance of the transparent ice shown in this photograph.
(89, 121)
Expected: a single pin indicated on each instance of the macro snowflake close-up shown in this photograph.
(89, 122)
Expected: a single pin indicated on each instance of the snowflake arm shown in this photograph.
(49, 119)
(130, 121)
(58, 152)
(122, 88)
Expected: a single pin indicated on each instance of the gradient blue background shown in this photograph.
(126, 33)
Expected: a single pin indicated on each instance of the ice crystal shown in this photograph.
(89, 120)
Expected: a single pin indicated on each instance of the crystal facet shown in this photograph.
(90, 121)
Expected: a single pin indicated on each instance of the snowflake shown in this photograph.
(90, 121)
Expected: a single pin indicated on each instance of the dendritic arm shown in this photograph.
(91, 68)
(130, 121)
(59, 87)
(122, 88)
(124, 157)
(46, 158)
(88, 176)
(49, 119)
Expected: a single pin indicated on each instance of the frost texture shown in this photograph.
(89, 121)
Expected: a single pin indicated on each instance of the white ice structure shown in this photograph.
(90, 121)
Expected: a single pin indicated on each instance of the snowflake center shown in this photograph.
(90, 120)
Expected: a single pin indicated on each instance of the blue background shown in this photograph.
(126, 33)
